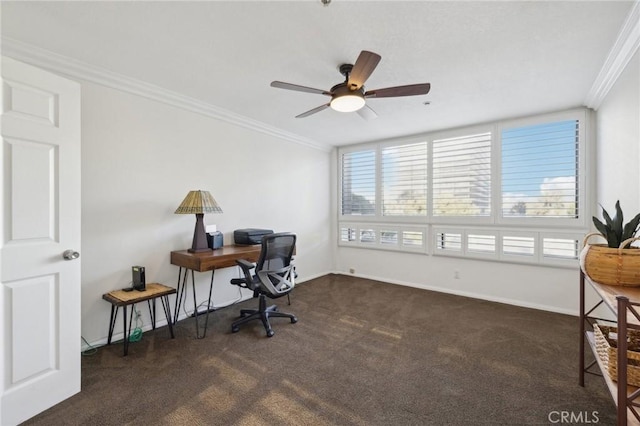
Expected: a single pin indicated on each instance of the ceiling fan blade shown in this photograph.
(297, 88)
(391, 92)
(367, 113)
(313, 111)
(362, 69)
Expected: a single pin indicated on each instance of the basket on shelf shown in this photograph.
(611, 266)
(606, 347)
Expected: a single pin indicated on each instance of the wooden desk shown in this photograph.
(223, 257)
(121, 298)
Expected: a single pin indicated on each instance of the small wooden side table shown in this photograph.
(119, 298)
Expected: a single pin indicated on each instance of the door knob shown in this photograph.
(70, 255)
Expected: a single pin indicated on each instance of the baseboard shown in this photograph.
(472, 295)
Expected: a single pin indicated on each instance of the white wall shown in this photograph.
(139, 160)
(618, 151)
(548, 288)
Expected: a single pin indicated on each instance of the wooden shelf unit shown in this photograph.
(624, 303)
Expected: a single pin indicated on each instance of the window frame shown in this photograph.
(495, 224)
(378, 228)
(380, 184)
(348, 150)
(378, 147)
(584, 200)
(453, 133)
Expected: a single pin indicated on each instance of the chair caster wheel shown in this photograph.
(294, 320)
(270, 333)
(235, 329)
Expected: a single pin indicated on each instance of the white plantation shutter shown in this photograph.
(511, 191)
(540, 170)
(518, 245)
(404, 180)
(481, 243)
(562, 248)
(448, 241)
(462, 176)
(412, 238)
(359, 183)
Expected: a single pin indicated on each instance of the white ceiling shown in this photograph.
(484, 60)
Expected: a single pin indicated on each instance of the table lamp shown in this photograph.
(199, 203)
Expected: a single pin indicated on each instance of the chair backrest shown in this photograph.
(277, 251)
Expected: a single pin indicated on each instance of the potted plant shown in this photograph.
(617, 262)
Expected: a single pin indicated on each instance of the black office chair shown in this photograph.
(274, 277)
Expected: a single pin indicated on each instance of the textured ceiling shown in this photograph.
(484, 60)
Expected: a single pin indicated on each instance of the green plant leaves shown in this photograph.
(613, 230)
(606, 232)
(631, 228)
(617, 219)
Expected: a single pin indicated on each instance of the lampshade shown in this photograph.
(199, 203)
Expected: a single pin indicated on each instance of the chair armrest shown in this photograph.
(246, 267)
(243, 263)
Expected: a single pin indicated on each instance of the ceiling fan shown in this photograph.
(350, 95)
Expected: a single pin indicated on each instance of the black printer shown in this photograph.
(250, 236)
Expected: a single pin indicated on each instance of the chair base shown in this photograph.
(263, 313)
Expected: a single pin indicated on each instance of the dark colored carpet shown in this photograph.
(362, 353)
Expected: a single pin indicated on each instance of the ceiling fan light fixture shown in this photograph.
(350, 95)
(347, 103)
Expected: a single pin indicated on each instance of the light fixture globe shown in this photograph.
(345, 100)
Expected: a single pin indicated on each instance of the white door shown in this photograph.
(39, 290)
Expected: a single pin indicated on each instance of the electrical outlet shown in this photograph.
(456, 275)
(352, 271)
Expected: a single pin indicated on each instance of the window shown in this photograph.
(540, 166)
(412, 238)
(368, 236)
(462, 176)
(389, 237)
(481, 243)
(501, 191)
(404, 180)
(386, 237)
(518, 245)
(560, 248)
(448, 241)
(347, 234)
(359, 183)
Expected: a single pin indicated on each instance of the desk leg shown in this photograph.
(124, 324)
(180, 292)
(112, 322)
(206, 321)
(167, 313)
(152, 314)
(195, 306)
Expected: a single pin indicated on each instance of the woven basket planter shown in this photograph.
(611, 266)
(606, 348)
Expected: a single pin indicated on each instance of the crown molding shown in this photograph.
(81, 70)
(623, 49)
